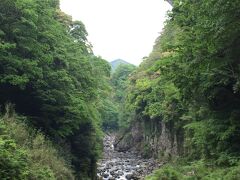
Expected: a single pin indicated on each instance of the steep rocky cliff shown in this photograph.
(152, 138)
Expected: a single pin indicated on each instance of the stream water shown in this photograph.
(123, 165)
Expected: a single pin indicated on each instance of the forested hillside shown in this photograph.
(51, 77)
(185, 95)
(116, 63)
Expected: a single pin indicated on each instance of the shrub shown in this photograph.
(196, 171)
(26, 153)
(166, 173)
(233, 173)
(13, 161)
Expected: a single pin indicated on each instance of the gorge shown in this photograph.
(65, 114)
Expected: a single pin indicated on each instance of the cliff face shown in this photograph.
(131, 139)
(162, 139)
(152, 138)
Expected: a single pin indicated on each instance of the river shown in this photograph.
(123, 165)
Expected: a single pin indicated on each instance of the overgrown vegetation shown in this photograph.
(119, 82)
(190, 82)
(114, 104)
(195, 170)
(48, 70)
(25, 153)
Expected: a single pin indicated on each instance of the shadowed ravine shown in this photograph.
(123, 165)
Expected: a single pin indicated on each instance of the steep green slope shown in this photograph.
(119, 83)
(48, 71)
(113, 105)
(25, 153)
(114, 64)
(185, 95)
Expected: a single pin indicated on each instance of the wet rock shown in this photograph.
(120, 173)
(105, 175)
(115, 165)
(129, 176)
(127, 170)
(133, 176)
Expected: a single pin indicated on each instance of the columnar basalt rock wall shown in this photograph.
(162, 139)
(152, 138)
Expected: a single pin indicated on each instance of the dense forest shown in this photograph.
(52, 93)
(185, 95)
(181, 105)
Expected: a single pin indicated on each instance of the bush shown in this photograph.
(166, 173)
(13, 161)
(195, 171)
(27, 154)
(233, 173)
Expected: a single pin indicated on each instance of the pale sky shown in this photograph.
(124, 29)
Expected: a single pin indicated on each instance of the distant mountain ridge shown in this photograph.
(115, 63)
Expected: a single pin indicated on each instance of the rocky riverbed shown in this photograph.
(123, 165)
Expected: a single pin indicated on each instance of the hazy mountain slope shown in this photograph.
(115, 63)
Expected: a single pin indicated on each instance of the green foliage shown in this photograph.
(13, 162)
(110, 115)
(48, 70)
(111, 95)
(193, 171)
(206, 74)
(27, 154)
(119, 82)
(166, 173)
(190, 82)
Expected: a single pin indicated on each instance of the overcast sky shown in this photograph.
(124, 29)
